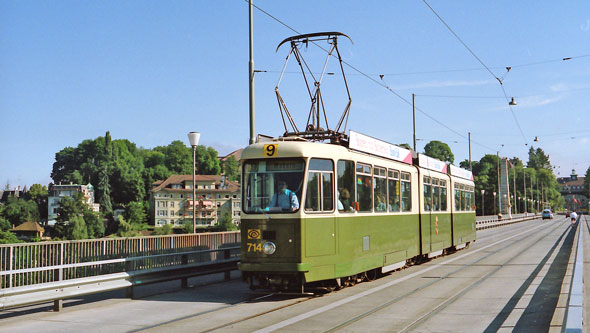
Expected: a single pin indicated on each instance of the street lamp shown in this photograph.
(193, 138)
(482, 206)
(495, 211)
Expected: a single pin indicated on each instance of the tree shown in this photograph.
(225, 222)
(134, 213)
(439, 150)
(587, 183)
(7, 237)
(230, 168)
(94, 223)
(77, 228)
(4, 224)
(405, 145)
(19, 210)
(165, 230)
(538, 159)
(126, 229)
(39, 195)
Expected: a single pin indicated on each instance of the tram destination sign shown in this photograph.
(377, 147)
(432, 163)
(461, 173)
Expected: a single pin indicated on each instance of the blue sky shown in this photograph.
(152, 71)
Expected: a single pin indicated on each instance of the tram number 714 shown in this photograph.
(254, 247)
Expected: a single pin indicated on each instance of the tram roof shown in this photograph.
(278, 149)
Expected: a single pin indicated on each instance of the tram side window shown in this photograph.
(427, 194)
(406, 191)
(345, 180)
(393, 190)
(380, 186)
(443, 195)
(320, 186)
(435, 195)
(457, 198)
(364, 190)
(463, 198)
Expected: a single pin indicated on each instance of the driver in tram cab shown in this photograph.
(284, 199)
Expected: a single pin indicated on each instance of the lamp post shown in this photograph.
(482, 206)
(193, 138)
(495, 211)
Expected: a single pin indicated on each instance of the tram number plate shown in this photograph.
(271, 150)
(254, 247)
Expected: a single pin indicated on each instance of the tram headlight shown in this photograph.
(269, 247)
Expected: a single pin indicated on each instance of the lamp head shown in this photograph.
(193, 138)
(512, 102)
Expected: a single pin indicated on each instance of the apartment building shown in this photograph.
(57, 192)
(172, 200)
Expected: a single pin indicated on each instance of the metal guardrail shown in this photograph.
(573, 320)
(59, 290)
(39, 272)
(18, 262)
(493, 223)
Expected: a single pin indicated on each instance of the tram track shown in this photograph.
(447, 301)
(225, 308)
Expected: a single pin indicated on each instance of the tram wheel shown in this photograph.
(371, 275)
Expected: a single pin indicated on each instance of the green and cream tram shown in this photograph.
(358, 211)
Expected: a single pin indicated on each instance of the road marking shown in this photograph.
(381, 287)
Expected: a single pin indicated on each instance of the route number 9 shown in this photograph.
(270, 150)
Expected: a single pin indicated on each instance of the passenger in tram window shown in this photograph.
(284, 199)
(344, 203)
(380, 205)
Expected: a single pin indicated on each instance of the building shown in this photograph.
(572, 190)
(17, 193)
(57, 192)
(28, 231)
(172, 200)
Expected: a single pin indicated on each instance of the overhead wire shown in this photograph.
(375, 81)
(485, 66)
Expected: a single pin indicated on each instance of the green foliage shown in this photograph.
(77, 228)
(18, 210)
(439, 150)
(94, 223)
(405, 145)
(4, 224)
(127, 229)
(230, 168)
(538, 159)
(225, 222)
(165, 230)
(587, 183)
(135, 213)
(7, 237)
(39, 195)
(187, 227)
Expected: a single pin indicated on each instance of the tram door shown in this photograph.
(427, 227)
(319, 229)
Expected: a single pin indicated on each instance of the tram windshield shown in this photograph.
(273, 186)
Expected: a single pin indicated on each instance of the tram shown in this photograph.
(361, 208)
(326, 209)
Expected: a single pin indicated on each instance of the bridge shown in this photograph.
(521, 274)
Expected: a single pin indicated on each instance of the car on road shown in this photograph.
(547, 214)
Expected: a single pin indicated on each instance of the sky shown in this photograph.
(152, 71)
